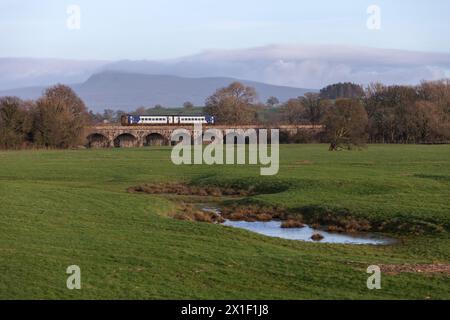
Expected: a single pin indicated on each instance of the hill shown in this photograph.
(127, 91)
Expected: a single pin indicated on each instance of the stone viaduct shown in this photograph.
(105, 136)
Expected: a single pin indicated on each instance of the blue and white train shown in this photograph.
(128, 120)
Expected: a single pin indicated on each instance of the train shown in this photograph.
(130, 120)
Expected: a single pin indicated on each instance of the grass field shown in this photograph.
(59, 208)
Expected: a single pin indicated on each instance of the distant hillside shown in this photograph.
(127, 91)
(27, 72)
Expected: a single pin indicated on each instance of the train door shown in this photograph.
(170, 120)
(176, 120)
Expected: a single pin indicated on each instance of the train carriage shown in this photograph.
(130, 120)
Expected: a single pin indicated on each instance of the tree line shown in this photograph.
(352, 115)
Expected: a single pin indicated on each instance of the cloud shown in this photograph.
(319, 65)
(302, 66)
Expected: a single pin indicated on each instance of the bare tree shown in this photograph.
(15, 123)
(346, 124)
(60, 118)
(314, 106)
(293, 111)
(233, 104)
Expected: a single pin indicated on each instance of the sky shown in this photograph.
(166, 29)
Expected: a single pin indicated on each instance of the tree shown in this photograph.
(95, 117)
(425, 125)
(234, 104)
(139, 111)
(272, 102)
(389, 111)
(346, 124)
(342, 90)
(60, 118)
(15, 123)
(437, 92)
(108, 115)
(293, 111)
(188, 105)
(314, 107)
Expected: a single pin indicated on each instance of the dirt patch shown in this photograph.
(252, 213)
(186, 189)
(334, 220)
(191, 213)
(416, 268)
(292, 224)
(304, 162)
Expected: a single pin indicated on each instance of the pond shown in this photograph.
(273, 229)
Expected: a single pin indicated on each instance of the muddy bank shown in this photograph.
(189, 212)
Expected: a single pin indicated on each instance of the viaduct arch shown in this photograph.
(109, 136)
